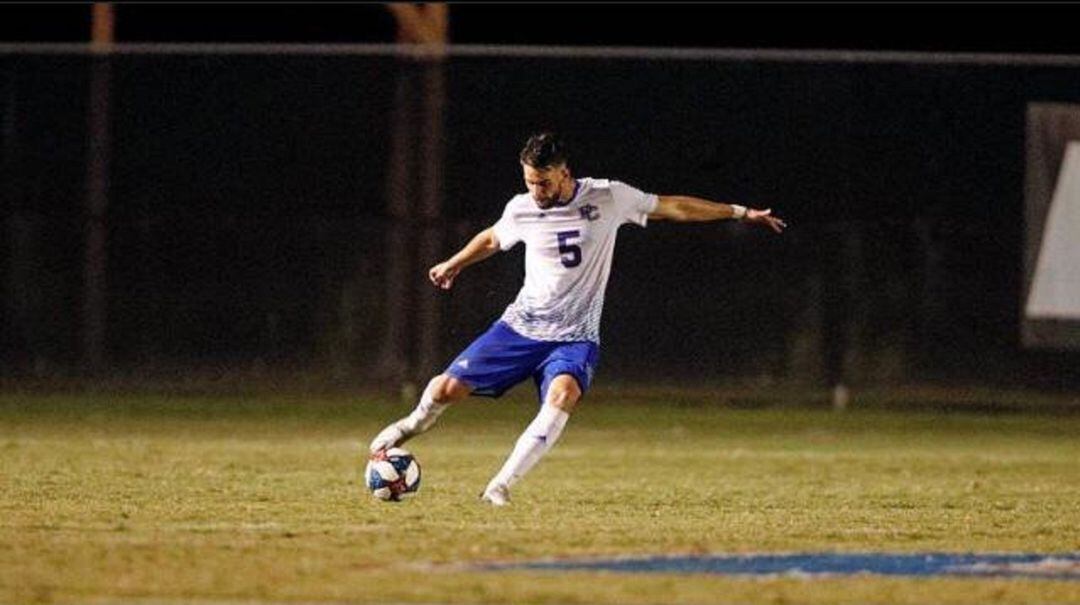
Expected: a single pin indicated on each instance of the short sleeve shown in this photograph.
(634, 205)
(506, 230)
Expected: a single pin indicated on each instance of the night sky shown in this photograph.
(1028, 28)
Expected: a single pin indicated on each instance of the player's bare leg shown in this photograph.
(540, 436)
(440, 392)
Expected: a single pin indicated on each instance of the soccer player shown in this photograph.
(551, 331)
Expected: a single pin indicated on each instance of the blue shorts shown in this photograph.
(500, 358)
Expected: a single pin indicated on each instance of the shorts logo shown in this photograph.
(464, 363)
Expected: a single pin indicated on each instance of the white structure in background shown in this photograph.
(1055, 289)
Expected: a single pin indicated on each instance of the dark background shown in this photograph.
(248, 218)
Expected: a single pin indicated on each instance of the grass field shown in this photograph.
(135, 497)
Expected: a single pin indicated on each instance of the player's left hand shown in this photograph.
(765, 217)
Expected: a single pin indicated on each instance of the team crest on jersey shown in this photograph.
(590, 212)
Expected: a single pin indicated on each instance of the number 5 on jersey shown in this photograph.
(569, 254)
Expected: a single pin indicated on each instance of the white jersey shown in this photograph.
(568, 252)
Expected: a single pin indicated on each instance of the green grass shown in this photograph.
(107, 497)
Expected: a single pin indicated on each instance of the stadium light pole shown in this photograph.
(431, 181)
(416, 144)
(97, 188)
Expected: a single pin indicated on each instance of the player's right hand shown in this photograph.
(443, 274)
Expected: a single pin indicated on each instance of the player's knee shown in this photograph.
(447, 389)
(564, 393)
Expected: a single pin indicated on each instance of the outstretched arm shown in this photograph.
(683, 208)
(481, 246)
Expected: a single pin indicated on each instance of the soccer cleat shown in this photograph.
(391, 436)
(496, 494)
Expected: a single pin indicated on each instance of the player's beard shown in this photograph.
(547, 202)
(553, 200)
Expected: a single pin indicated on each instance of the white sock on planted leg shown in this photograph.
(535, 441)
(421, 419)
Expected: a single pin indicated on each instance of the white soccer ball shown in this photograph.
(392, 474)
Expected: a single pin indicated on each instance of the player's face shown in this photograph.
(546, 185)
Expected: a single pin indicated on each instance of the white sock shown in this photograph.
(421, 419)
(535, 441)
(424, 415)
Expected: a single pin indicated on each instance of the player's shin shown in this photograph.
(535, 441)
(421, 419)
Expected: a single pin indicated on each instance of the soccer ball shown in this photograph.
(392, 474)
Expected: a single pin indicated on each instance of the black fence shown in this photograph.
(285, 207)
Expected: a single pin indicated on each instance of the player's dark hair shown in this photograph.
(545, 150)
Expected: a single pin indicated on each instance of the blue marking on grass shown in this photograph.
(1064, 566)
